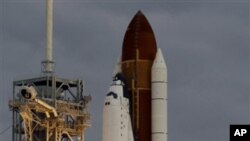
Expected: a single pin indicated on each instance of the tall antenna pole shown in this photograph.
(48, 64)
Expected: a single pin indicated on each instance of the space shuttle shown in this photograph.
(135, 107)
(116, 117)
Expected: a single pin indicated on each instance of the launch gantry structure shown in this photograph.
(49, 108)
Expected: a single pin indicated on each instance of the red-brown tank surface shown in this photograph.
(139, 35)
(138, 52)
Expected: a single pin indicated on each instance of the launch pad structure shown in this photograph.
(49, 108)
(58, 112)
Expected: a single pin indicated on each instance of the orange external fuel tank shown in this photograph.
(138, 53)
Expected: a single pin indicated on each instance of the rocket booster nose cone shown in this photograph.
(159, 68)
(159, 61)
(139, 38)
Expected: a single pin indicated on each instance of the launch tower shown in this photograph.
(49, 108)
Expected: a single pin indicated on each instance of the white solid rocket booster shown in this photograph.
(159, 98)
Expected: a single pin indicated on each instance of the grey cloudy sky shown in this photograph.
(205, 44)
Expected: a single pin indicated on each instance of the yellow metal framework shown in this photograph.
(50, 118)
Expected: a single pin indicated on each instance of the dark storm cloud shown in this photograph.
(206, 46)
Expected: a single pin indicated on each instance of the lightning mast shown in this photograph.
(48, 63)
(49, 108)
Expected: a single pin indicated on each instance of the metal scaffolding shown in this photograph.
(58, 112)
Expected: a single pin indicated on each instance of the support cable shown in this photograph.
(6, 129)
